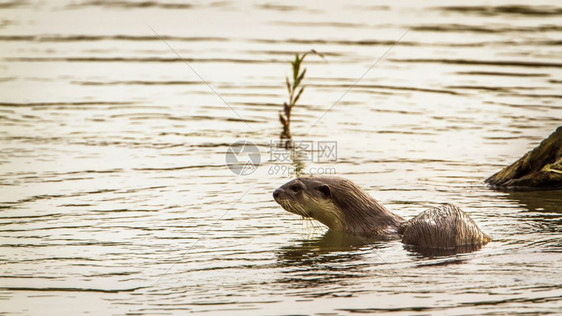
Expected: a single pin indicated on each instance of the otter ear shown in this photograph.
(325, 190)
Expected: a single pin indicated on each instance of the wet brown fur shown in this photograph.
(343, 206)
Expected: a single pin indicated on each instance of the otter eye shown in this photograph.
(295, 188)
(324, 190)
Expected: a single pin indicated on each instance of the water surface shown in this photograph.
(115, 197)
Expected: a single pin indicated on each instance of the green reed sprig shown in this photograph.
(295, 90)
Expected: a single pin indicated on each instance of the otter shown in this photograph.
(343, 206)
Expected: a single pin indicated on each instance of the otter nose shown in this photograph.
(276, 193)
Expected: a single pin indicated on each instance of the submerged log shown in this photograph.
(540, 168)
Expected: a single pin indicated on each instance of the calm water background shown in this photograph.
(112, 154)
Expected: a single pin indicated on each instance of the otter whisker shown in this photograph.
(316, 225)
(300, 210)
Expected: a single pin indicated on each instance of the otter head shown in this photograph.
(337, 203)
(310, 197)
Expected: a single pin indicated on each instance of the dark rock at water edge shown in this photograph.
(540, 168)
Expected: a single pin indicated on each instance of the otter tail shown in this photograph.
(443, 227)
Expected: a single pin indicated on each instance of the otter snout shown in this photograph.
(276, 193)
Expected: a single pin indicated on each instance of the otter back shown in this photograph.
(443, 227)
